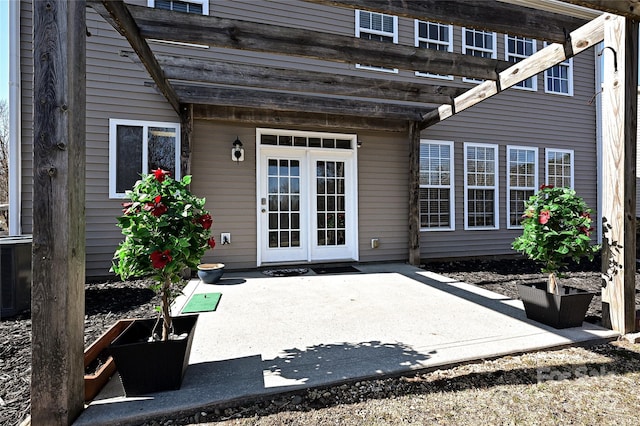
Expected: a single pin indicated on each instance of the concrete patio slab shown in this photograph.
(280, 334)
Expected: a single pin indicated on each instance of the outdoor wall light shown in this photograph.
(237, 152)
(359, 143)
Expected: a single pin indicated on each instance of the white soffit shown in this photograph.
(558, 7)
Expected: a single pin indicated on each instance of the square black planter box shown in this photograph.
(563, 310)
(145, 367)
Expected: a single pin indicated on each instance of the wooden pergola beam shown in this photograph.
(292, 80)
(280, 101)
(479, 14)
(120, 18)
(235, 34)
(627, 8)
(58, 255)
(583, 38)
(264, 117)
(619, 134)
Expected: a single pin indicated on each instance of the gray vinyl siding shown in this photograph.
(26, 90)
(230, 191)
(523, 118)
(116, 89)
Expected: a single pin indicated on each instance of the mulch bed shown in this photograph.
(105, 303)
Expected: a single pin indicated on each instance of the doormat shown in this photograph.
(290, 272)
(335, 270)
(202, 302)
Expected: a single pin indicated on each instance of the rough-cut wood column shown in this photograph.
(619, 106)
(186, 134)
(57, 298)
(414, 193)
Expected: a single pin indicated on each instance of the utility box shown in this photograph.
(15, 275)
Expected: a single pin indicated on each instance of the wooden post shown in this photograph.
(57, 299)
(186, 131)
(619, 106)
(414, 193)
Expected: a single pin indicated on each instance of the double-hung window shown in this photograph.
(379, 27)
(480, 186)
(517, 49)
(200, 7)
(435, 36)
(559, 78)
(436, 185)
(478, 43)
(138, 147)
(522, 181)
(559, 167)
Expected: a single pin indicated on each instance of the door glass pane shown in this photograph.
(284, 200)
(331, 213)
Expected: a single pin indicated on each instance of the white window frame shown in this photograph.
(532, 188)
(465, 47)
(495, 187)
(418, 39)
(113, 160)
(204, 3)
(568, 63)
(360, 30)
(508, 55)
(450, 186)
(571, 153)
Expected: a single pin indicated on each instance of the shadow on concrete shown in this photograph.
(333, 362)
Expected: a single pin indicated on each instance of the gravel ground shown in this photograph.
(596, 385)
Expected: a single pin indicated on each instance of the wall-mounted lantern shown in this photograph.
(237, 152)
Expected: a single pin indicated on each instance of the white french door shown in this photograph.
(307, 202)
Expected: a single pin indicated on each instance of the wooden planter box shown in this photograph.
(563, 310)
(94, 382)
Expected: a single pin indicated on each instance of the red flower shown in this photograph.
(159, 259)
(206, 221)
(544, 217)
(159, 210)
(546, 186)
(160, 174)
(212, 242)
(586, 231)
(126, 208)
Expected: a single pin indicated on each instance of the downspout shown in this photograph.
(15, 122)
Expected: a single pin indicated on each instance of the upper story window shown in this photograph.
(189, 6)
(516, 49)
(522, 181)
(436, 36)
(480, 186)
(138, 147)
(376, 26)
(478, 43)
(559, 167)
(436, 185)
(559, 78)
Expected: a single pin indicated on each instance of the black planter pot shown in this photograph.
(563, 310)
(145, 367)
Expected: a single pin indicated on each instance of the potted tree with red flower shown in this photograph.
(166, 230)
(557, 226)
